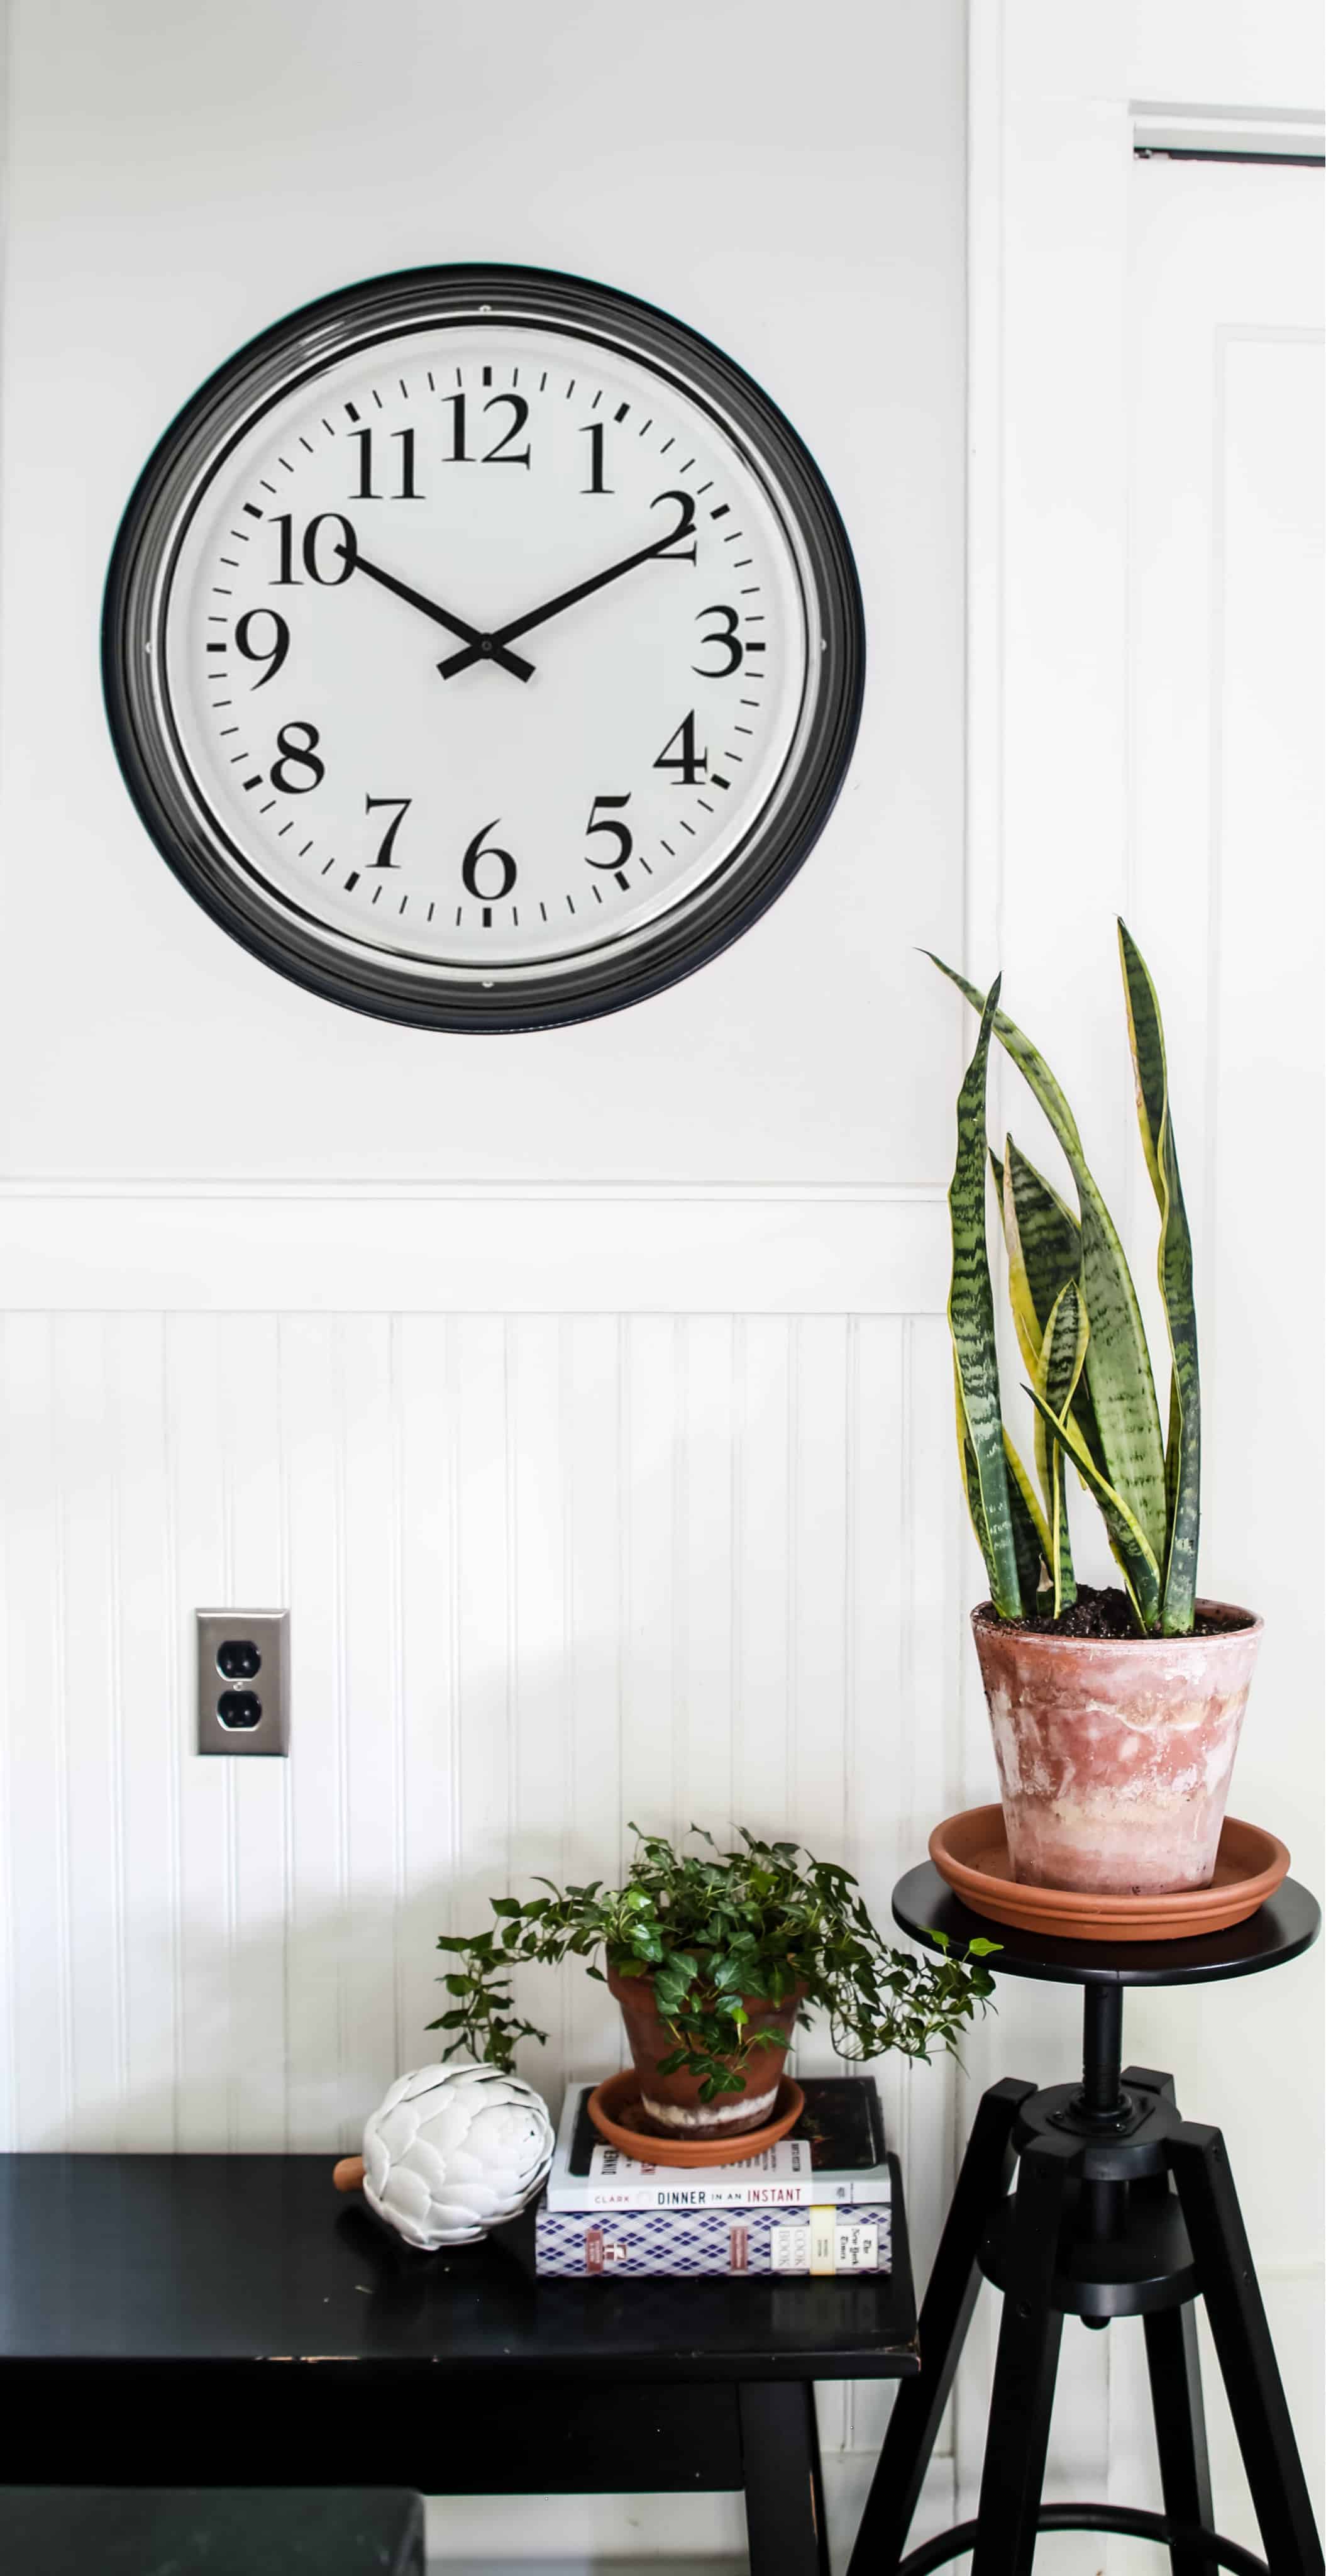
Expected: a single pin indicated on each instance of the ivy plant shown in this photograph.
(717, 1930)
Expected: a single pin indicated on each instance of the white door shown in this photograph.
(1226, 895)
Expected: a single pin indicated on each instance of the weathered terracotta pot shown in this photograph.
(672, 2102)
(1115, 1753)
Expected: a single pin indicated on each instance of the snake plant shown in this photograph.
(1079, 1330)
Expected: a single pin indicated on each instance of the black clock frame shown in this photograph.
(179, 469)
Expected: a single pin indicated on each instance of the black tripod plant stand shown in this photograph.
(1122, 2209)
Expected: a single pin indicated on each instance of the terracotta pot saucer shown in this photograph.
(970, 1851)
(614, 2108)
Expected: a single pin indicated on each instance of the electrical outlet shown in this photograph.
(243, 1681)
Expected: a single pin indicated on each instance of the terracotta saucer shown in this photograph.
(612, 2104)
(970, 1851)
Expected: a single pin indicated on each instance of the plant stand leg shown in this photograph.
(945, 2316)
(781, 2468)
(1214, 2221)
(1027, 2360)
(1176, 2403)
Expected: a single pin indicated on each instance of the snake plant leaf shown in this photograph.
(1027, 1322)
(1174, 1266)
(1118, 1369)
(1030, 1539)
(1141, 1573)
(976, 1508)
(1063, 1352)
(1030, 1535)
(1146, 1038)
(1050, 1238)
(1051, 1242)
(971, 1323)
(971, 1483)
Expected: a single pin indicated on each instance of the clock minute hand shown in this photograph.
(482, 647)
(504, 635)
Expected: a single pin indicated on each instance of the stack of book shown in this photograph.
(818, 2203)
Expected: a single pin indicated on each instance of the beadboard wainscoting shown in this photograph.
(548, 1573)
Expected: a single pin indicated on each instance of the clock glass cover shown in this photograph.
(482, 648)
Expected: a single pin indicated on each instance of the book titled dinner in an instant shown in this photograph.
(700, 2244)
(835, 2154)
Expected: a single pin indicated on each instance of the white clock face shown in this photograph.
(479, 656)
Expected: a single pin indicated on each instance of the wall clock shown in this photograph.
(482, 648)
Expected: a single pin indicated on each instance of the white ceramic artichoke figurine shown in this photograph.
(454, 2150)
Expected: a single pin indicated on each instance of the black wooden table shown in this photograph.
(210, 2531)
(228, 2321)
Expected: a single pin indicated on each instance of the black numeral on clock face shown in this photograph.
(400, 806)
(316, 550)
(494, 863)
(675, 549)
(296, 755)
(602, 818)
(689, 763)
(405, 490)
(502, 452)
(594, 432)
(724, 640)
(273, 654)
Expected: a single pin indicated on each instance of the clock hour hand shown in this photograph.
(504, 635)
(481, 647)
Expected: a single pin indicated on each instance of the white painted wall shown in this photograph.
(179, 177)
(587, 1395)
(1145, 626)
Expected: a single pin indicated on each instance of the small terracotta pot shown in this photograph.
(1115, 1753)
(672, 2102)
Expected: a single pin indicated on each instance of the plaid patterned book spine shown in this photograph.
(704, 2244)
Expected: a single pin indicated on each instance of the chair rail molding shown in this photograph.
(307, 1246)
